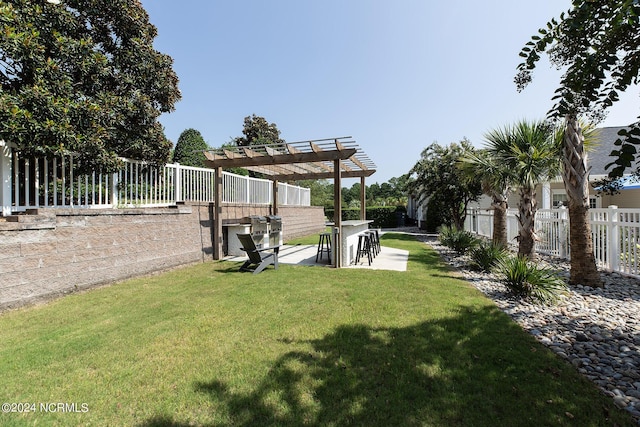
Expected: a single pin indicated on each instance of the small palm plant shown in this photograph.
(526, 279)
(459, 240)
(487, 255)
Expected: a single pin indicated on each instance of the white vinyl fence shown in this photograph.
(53, 182)
(615, 233)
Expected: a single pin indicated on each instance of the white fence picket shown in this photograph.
(38, 182)
(615, 233)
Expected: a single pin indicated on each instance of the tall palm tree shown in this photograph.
(496, 180)
(528, 149)
(575, 175)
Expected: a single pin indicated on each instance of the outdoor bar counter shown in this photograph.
(349, 239)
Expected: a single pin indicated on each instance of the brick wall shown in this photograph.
(53, 252)
(301, 221)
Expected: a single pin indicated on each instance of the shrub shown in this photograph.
(458, 240)
(435, 218)
(487, 255)
(528, 280)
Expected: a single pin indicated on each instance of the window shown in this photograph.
(559, 199)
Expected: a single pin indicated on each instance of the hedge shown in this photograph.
(382, 216)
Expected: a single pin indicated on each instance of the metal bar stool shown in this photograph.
(364, 247)
(375, 240)
(324, 245)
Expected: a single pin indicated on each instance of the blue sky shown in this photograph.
(395, 75)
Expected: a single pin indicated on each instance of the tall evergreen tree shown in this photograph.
(189, 149)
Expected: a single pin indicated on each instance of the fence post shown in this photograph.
(5, 178)
(613, 238)
(563, 222)
(511, 227)
(177, 182)
(475, 220)
(114, 189)
(491, 215)
(546, 195)
(248, 192)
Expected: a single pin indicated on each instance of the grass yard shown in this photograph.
(206, 345)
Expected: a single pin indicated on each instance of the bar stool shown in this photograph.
(376, 239)
(364, 247)
(372, 242)
(324, 245)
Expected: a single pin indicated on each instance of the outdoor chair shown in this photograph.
(258, 257)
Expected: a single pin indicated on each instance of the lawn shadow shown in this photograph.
(224, 266)
(468, 369)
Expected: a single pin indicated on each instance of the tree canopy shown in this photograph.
(439, 179)
(597, 43)
(189, 149)
(257, 131)
(83, 77)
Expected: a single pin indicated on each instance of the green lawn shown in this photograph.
(206, 345)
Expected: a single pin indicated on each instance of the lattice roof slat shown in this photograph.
(295, 161)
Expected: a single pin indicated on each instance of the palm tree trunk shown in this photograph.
(526, 217)
(499, 237)
(576, 183)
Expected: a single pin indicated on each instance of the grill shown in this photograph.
(259, 225)
(275, 223)
(259, 229)
(275, 233)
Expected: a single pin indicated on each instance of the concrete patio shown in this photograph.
(388, 258)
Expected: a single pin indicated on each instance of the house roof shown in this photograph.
(599, 156)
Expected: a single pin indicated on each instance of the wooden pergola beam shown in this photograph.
(322, 175)
(235, 160)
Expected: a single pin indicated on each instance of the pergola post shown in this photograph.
(363, 204)
(217, 220)
(274, 192)
(337, 210)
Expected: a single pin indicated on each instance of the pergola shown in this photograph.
(331, 158)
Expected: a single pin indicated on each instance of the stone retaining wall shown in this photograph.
(52, 252)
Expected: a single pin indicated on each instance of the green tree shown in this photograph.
(573, 138)
(399, 190)
(386, 191)
(598, 44)
(351, 196)
(82, 77)
(439, 180)
(257, 131)
(321, 192)
(189, 149)
(497, 181)
(529, 150)
(373, 194)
